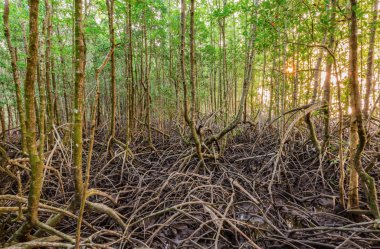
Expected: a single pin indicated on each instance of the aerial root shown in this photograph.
(160, 198)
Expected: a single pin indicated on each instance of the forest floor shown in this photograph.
(164, 199)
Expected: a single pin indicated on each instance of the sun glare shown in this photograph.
(289, 69)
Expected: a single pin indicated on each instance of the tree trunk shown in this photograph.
(147, 81)
(327, 84)
(92, 139)
(49, 93)
(3, 127)
(110, 8)
(308, 119)
(130, 78)
(370, 59)
(41, 81)
(189, 118)
(353, 191)
(35, 161)
(56, 108)
(357, 118)
(78, 99)
(16, 76)
(249, 59)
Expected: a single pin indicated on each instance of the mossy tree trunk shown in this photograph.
(78, 99)
(41, 82)
(35, 161)
(48, 69)
(357, 118)
(16, 75)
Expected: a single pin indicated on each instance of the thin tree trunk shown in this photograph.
(342, 173)
(250, 56)
(16, 75)
(189, 118)
(79, 66)
(10, 119)
(49, 94)
(110, 8)
(92, 139)
(357, 118)
(41, 82)
(147, 81)
(317, 73)
(272, 81)
(193, 84)
(35, 161)
(130, 79)
(295, 79)
(3, 126)
(55, 95)
(370, 59)
(308, 119)
(327, 84)
(64, 84)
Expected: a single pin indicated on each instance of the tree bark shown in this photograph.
(130, 78)
(35, 161)
(16, 75)
(308, 119)
(110, 8)
(147, 80)
(79, 66)
(49, 93)
(327, 84)
(370, 59)
(41, 82)
(3, 127)
(91, 146)
(357, 118)
(189, 115)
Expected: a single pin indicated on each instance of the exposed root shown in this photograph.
(162, 199)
